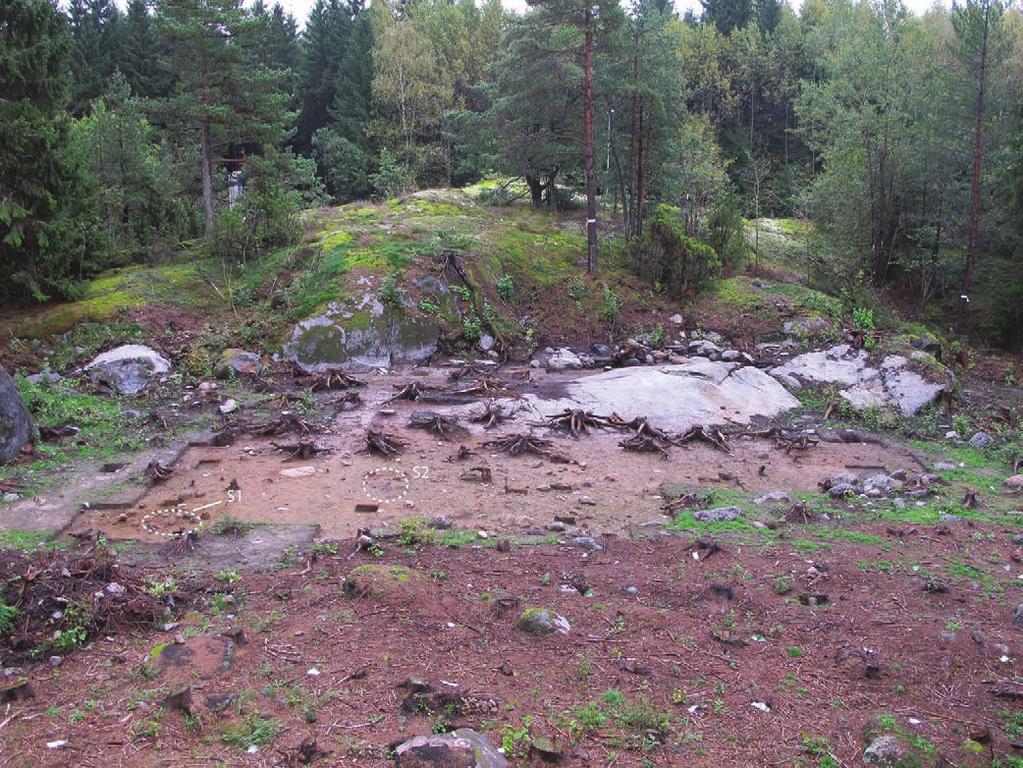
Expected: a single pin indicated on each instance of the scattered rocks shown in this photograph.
(563, 359)
(128, 369)
(586, 542)
(704, 348)
(238, 362)
(881, 485)
(542, 621)
(228, 406)
(719, 515)
(464, 748)
(893, 383)
(16, 428)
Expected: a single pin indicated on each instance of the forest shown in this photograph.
(900, 137)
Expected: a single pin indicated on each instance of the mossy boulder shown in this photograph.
(542, 621)
(362, 336)
(381, 581)
(16, 427)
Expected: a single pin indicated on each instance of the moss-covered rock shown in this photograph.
(542, 621)
(380, 581)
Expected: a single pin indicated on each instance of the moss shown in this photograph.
(738, 292)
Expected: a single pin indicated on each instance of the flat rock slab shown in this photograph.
(892, 383)
(673, 397)
(464, 748)
(262, 547)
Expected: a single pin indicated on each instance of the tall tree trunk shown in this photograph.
(207, 173)
(978, 141)
(535, 190)
(591, 181)
(642, 172)
(632, 217)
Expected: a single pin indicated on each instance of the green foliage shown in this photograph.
(8, 615)
(255, 731)
(505, 287)
(390, 179)
(665, 254)
(343, 165)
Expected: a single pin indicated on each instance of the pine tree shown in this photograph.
(727, 15)
(140, 52)
(353, 86)
(224, 100)
(95, 27)
(38, 178)
(324, 46)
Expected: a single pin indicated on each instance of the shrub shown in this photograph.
(666, 255)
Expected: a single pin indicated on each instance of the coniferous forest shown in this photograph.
(899, 136)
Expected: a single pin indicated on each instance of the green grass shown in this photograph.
(30, 541)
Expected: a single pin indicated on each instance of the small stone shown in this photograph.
(772, 497)
(586, 542)
(1014, 483)
(441, 522)
(946, 638)
(841, 490)
(298, 472)
(228, 406)
(58, 744)
(720, 515)
(55, 661)
(980, 439)
(884, 750)
(115, 589)
(1017, 616)
(762, 706)
(676, 319)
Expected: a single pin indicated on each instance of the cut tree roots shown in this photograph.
(577, 422)
(436, 424)
(516, 445)
(382, 443)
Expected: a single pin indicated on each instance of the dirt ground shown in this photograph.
(676, 655)
(605, 489)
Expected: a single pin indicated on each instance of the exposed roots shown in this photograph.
(332, 380)
(786, 439)
(462, 454)
(690, 500)
(644, 444)
(414, 391)
(283, 424)
(436, 424)
(492, 415)
(800, 514)
(706, 434)
(157, 472)
(304, 449)
(382, 443)
(349, 401)
(577, 422)
(516, 445)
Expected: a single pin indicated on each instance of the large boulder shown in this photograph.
(674, 397)
(128, 369)
(892, 383)
(464, 748)
(15, 422)
(362, 336)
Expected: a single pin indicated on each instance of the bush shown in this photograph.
(666, 255)
(390, 180)
(726, 233)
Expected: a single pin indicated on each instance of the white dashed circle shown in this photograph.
(177, 512)
(398, 475)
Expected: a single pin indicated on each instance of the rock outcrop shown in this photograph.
(15, 421)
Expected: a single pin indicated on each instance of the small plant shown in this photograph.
(782, 585)
(795, 652)
(227, 576)
(229, 525)
(611, 306)
(472, 327)
(325, 548)
(160, 587)
(69, 639)
(505, 287)
(576, 289)
(516, 741)
(428, 307)
(961, 424)
(863, 319)
(413, 531)
(462, 292)
(8, 615)
(390, 294)
(255, 731)
(657, 336)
